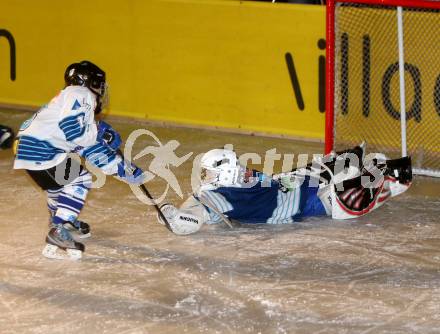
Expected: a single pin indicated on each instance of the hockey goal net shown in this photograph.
(383, 63)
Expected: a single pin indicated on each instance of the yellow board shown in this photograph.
(215, 63)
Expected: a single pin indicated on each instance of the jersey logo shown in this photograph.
(73, 126)
(189, 219)
(76, 105)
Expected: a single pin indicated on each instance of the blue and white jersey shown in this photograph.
(262, 203)
(64, 125)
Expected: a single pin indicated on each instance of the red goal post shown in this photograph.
(383, 63)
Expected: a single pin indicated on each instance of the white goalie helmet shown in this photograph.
(219, 167)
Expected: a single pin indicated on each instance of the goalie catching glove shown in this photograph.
(181, 223)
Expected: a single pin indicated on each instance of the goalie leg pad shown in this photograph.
(325, 195)
(356, 202)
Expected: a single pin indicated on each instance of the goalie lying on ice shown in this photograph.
(342, 185)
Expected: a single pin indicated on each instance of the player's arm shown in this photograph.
(112, 163)
(105, 155)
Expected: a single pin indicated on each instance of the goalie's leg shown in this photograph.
(397, 172)
(399, 169)
(349, 161)
(352, 198)
(60, 245)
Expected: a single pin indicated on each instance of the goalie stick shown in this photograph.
(211, 206)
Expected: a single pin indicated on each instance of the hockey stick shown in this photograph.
(159, 211)
(211, 206)
(147, 193)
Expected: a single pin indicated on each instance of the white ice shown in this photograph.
(377, 274)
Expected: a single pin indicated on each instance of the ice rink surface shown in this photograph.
(377, 274)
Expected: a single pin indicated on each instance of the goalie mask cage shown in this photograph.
(383, 63)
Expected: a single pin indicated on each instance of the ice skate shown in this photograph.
(399, 174)
(61, 245)
(78, 229)
(399, 169)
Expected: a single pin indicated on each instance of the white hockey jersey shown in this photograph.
(64, 125)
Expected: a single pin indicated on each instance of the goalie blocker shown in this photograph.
(180, 222)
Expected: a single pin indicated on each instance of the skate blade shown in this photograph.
(80, 236)
(397, 188)
(53, 252)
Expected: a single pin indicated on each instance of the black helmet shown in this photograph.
(87, 74)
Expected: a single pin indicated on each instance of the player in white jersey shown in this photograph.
(342, 185)
(46, 141)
